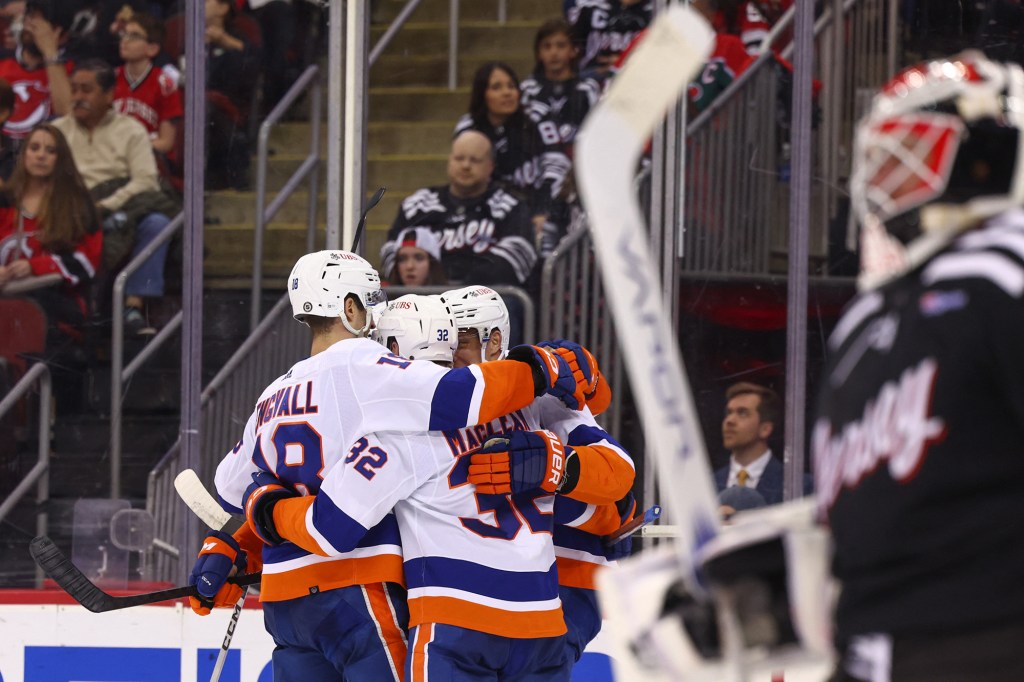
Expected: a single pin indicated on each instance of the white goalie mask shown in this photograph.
(938, 152)
(321, 281)
(422, 326)
(482, 310)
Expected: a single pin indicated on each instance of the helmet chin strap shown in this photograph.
(358, 333)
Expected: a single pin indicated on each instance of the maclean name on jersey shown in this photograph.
(472, 438)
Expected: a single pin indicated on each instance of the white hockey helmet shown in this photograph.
(320, 282)
(423, 327)
(481, 309)
(938, 151)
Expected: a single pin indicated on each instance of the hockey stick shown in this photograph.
(608, 148)
(192, 491)
(648, 517)
(374, 200)
(70, 579)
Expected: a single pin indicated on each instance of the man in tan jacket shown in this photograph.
(113, 152)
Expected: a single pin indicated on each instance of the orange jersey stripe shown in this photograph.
(379, 604)
(576, 573)
(508, 386)
(290, 522)
(419, 652)
(604, 521)
(604, 475)
(331, 575)
(464, 614)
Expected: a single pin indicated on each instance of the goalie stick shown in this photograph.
(194, 494)
(607, 150)
(70, 579)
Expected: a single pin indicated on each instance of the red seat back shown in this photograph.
(22, 331)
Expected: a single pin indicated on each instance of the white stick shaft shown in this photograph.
(609, 145)
(222, 655)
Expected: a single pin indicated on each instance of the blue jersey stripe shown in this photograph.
(573, 538)
(457, 574)
(585, 434)
(228, 507)
(449, 408)
(337, 527)
(384, 533)
(568, 509)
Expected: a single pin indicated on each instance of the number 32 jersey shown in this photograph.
(307, 420)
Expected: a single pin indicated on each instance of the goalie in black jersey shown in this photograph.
(918, 444)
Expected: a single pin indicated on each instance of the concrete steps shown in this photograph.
(411, 116)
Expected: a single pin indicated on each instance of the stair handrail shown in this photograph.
(119, 374)
(310, 167)
(392, 30)
(39, 474)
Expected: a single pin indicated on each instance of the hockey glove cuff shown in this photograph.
(624, 547)
(263, 493)
(551, 374)
(219, 558)
(524, 461)
(582, 363)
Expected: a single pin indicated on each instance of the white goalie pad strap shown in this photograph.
(642, 644)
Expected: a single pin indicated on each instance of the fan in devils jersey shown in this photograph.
(918, 440)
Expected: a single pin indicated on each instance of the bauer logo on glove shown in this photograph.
(524, 461)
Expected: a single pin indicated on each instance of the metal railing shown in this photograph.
(119, 374)
(227, 401)
(39, 474)
(572, 304)
(309, 167)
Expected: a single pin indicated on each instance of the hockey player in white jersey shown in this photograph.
(917, 441)
(480, 568)
(349, 386)
(593, 500)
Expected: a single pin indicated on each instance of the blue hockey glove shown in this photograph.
(624, 547)
(524, 461)
(218, 559)
(551, 374)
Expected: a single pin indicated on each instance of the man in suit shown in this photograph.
(751, 413)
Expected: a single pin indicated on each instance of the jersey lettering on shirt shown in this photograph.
(151, 100)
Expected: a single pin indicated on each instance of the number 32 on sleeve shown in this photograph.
(366, 458)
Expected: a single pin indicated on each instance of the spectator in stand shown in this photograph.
(603, 28)
(277, 24)
(418, 261)
(554, 94)
(528, 158)
(49, 224)
(727, 61)
(483, 230)
(233, 60)
(38, 72)
(7, 153)
(114, 155)
(144, 91)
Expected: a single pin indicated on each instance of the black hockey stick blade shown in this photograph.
(56, 565)
(374, 200)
